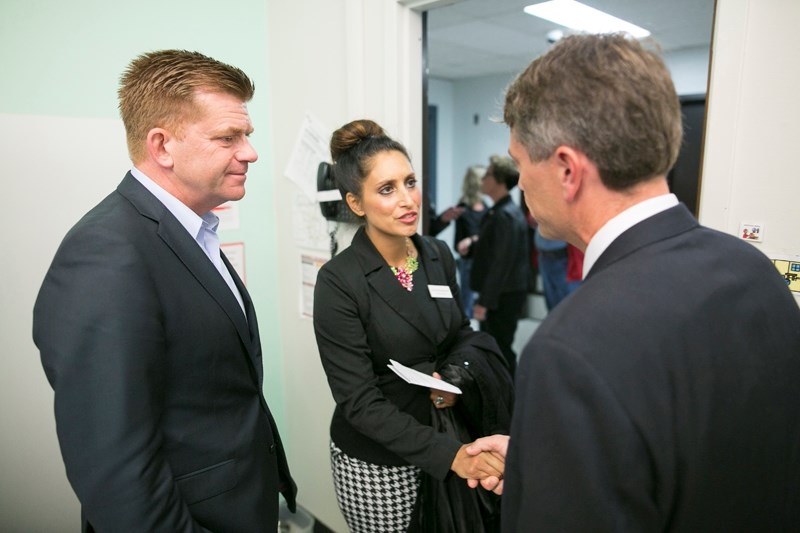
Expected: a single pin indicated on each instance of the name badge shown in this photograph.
(440, 291)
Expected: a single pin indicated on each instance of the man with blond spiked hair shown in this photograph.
(146, 333)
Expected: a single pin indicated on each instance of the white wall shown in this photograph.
(689, 69)
(47, 199)
(750, 163)
(440, 94)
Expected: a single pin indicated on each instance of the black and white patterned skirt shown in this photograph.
(374, 498)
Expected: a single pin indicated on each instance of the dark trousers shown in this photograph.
(501, 323)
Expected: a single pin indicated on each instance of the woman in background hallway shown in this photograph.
(468, 226)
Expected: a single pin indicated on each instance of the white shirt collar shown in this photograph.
(188, 218)
(622, 222)
(198, 227)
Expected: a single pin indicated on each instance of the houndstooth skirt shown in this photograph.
(374, 498)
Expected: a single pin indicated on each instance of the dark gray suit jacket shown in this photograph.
(157, 375)
(663, 394)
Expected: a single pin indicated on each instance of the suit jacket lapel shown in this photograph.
(434, 270)
(252, 322)
(188, 252)
(383, 282)
(660, 226)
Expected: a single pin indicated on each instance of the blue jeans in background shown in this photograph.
(553, 270)
(467, 296)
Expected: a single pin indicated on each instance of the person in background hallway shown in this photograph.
(468, 214)
(146, 333)
(392, 294)
(662, 395)
(438, 223)
(500, 269)
(468, 227)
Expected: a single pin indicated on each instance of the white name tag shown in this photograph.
(440, 291)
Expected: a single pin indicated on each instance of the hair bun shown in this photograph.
(351, 134)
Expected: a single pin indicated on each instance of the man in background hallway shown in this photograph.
(501, 267)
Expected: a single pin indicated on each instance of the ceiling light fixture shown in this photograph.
(583, 18)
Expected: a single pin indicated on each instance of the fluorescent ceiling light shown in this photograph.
(583, 18)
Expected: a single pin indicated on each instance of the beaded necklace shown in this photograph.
(405, 275)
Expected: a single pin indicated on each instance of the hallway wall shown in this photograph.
(749, 169)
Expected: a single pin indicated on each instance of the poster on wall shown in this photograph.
(312, 147)
(228, 214)
(234, 251)
(790, 270)
(310, 265)
(309, 228)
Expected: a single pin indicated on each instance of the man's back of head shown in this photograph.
(605, 95)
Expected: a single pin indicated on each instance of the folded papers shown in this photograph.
(415, 377)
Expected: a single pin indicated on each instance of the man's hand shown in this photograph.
(497, 446)
(478, 466)
(479, 312)
(451, 213)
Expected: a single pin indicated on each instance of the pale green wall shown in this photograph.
(62, 149)
(65, 58)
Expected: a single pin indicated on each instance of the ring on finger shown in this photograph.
(439, 400)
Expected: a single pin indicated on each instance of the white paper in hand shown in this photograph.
(415, 377)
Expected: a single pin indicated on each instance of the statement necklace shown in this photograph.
(405, 275)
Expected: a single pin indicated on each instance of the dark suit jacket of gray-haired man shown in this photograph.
(662, 394)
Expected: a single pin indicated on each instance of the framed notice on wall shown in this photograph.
(234, 251)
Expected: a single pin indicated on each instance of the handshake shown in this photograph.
(483, 462)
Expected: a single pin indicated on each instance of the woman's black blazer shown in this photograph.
(362, 319)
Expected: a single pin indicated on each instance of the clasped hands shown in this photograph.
(483, 462)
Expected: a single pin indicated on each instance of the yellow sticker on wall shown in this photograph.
(790, 270)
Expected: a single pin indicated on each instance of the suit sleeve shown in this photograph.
(437, 226)
(461, 230)
(346, 358)
(98, 329)
(575, 458)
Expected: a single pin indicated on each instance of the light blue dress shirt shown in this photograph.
(202, 229)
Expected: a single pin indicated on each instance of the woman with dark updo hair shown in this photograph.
(392, 295)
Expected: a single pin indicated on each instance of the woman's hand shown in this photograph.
(463, 246)
(440, 398)
(497, 445)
